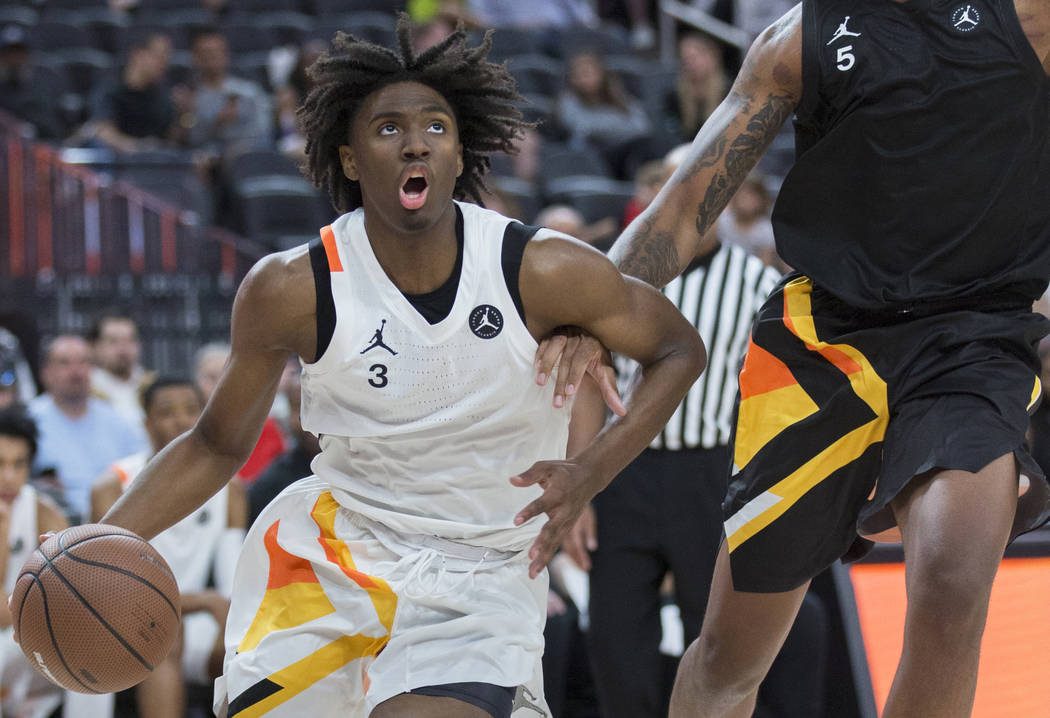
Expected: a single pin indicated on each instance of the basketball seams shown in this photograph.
(95, 613)
(51, 632)
(127, 573)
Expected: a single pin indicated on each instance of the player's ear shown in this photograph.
(346, 159)
(459, 160)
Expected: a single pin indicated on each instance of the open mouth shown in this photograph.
(414, 191)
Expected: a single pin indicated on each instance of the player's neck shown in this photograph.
(416, 262)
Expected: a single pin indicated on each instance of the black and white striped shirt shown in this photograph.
(720, 294)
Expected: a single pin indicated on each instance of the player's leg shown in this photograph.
(163, 693)
(409, 705)
(742, 633)
(955, 526)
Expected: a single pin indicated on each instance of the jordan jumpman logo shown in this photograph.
(377, 341)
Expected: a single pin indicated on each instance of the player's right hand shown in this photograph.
(582, 539)
(576, 353)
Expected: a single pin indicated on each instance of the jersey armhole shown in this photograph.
(811, 70)
(515, 237)
(325, 311)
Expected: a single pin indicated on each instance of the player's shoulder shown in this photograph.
(775, 57)
(552, 253)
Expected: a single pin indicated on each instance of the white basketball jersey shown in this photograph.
(22, 534)
(423, 425)
(189, 546)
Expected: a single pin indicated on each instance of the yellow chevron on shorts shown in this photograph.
(302, 674)
(765, 416)
(1037, 391)
(868, 385)
(383, 597)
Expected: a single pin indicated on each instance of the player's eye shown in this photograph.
(436, 126)
(387, 129)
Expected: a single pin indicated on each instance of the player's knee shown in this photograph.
(729, 668)
(949, 587)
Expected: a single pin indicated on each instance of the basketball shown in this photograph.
(95, 608)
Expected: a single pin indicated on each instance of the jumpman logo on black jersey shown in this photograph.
(377, 341)
(843, 31)
(966, 18)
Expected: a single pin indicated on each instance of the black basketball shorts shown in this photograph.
(839, 409)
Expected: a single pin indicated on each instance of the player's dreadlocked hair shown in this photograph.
(482, 96)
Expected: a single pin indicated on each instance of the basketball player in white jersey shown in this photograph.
(396, 582)
(24, 515)
(203, 544)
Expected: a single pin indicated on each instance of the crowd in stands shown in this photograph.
(195, 100)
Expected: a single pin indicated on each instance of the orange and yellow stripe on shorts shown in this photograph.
(294, 597)
(771, 400)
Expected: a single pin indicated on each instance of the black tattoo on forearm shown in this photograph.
(651, 256)
(740, 157)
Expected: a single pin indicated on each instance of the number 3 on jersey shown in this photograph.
(845, 58)
(378, 378)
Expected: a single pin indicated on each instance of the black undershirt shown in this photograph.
(436, 305)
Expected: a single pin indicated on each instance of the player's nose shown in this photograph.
(415, 145)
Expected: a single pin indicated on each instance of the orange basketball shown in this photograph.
(95, 608)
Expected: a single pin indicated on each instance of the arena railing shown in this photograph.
(75, 240)
(66, 218)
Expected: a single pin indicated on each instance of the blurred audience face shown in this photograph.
(15, 461)
(291, 388)
(648, 181)
(117, 349)
(66, 373)
(210, 362)
(586, 75)
(699, 57)
(751, 201)
(211, 56)
(148, 64)
(172, 411)
(562, 218)
(431, 33)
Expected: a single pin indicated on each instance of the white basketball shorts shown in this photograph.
(332, 614)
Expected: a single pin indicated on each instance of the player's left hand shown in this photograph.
(567, 490)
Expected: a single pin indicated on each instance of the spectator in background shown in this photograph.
(135, 113)
(294, 463)
(701, 84)
(290, 95)
(536, 13)
(595, 110)
(648, 180)
(117, 375)
(568, 220)
(22, 91)
(205, 543)
(208, 365)
(24, 515)
(80, 435)
(16, 378)
(223, 113)
(746, 223)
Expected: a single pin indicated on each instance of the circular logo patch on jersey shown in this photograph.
(486, 321)
(966, 18)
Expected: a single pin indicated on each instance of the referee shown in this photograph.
(663, 514)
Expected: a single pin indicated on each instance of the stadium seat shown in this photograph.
(322, 8)
(46, 36)
(18, 15)
(249, 37)
(288, 27)
(259, 163)
(510, 41)
(279, 211)
(264, 6)
(606, 39)
(537, 74)
(595, 197)
(108, 28)
(559, 160)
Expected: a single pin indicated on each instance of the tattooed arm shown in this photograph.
(661, 242)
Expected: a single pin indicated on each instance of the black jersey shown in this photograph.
(923, 170)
